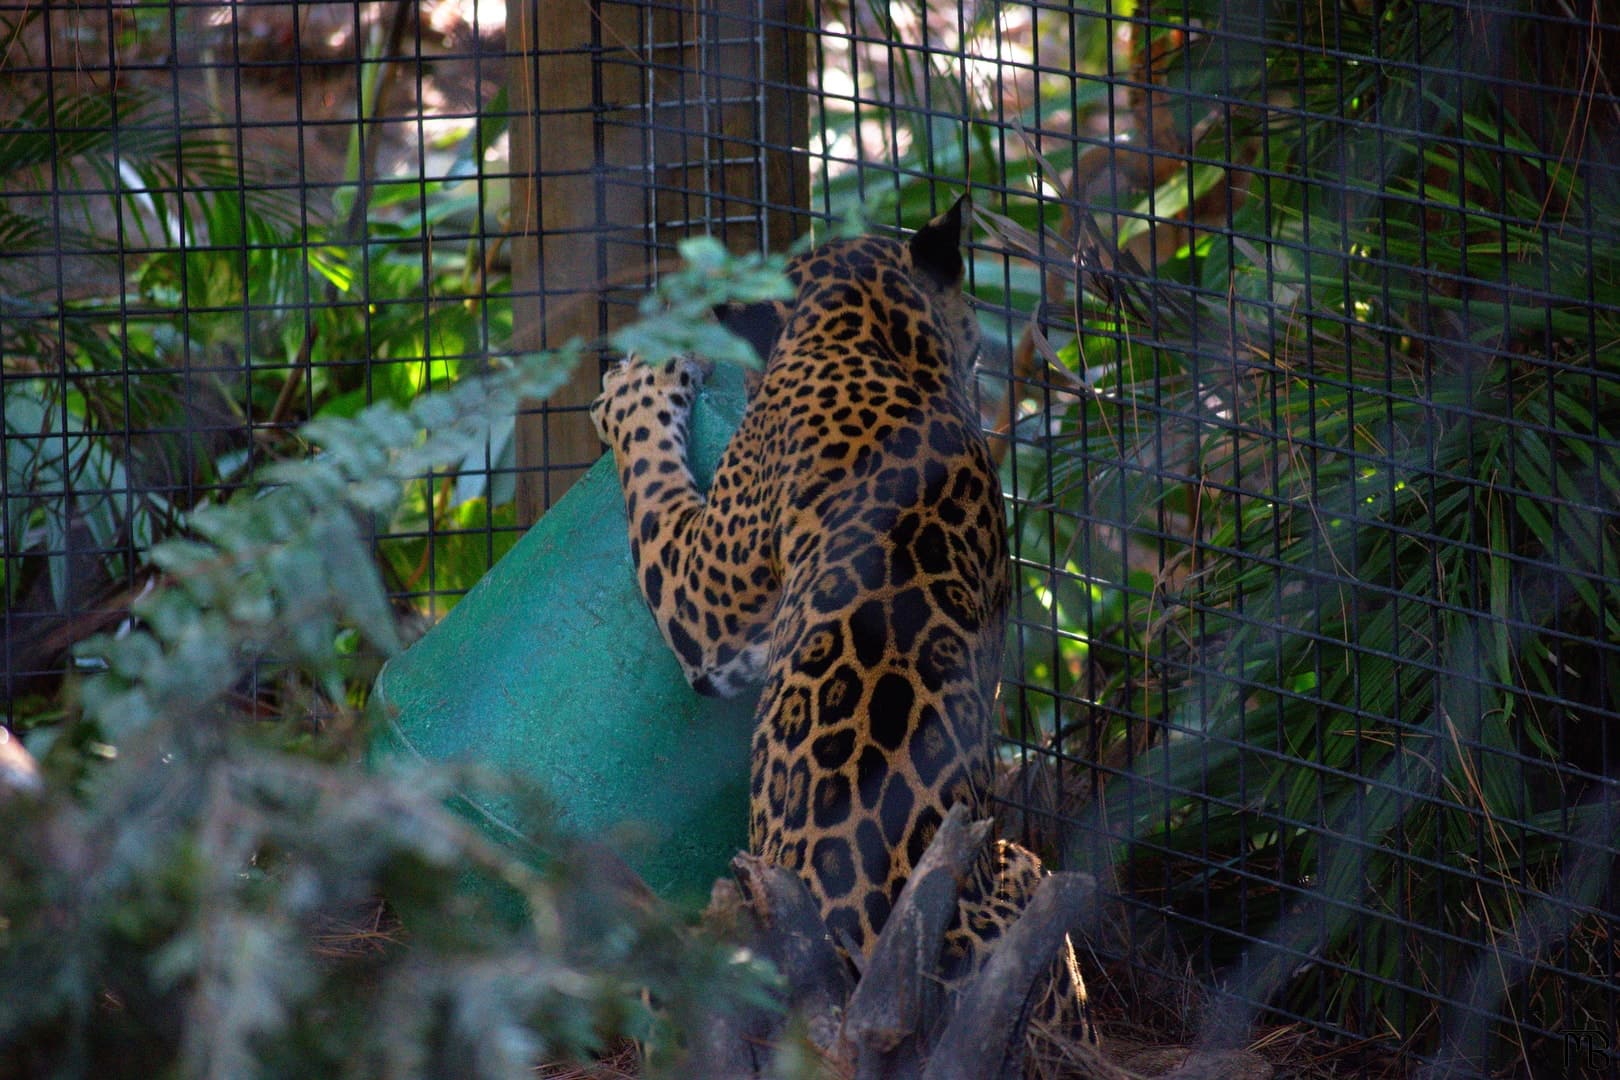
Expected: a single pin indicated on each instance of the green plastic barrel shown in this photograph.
(552, 668)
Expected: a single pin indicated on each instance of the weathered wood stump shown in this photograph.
(895, 1020)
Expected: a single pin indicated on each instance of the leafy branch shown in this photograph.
(195, 892)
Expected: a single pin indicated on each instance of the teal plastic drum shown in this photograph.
(551, 668)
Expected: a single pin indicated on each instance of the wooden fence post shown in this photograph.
(635, 126)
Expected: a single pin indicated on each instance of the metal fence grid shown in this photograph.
(1302, 357)
(220, 221)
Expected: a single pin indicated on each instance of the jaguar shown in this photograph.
(850, 554)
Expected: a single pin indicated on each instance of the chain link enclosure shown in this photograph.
(1302, 359)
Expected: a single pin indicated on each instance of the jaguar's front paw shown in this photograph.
(638, 397)
(614, 381)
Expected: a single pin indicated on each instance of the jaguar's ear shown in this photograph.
(936, 248)
(759, 324)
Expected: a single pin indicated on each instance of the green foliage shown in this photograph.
(291, 564)
(241, 311)
(61, 472)
(682, 303)
(165, 901)
(199, 891)
(1346, 571)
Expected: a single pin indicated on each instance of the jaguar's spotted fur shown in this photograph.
(851, 552)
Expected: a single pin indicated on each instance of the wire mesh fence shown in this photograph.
(1302, 363)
